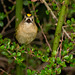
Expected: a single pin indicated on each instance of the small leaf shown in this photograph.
(28, 49)
(72, 19)
(28, 72)
(68, 22)
(18, 53)
(12, 47)
(35, 52)
(2, 47)
(73, 5)
(1, 24)
(58, 70)
(14, 53)
(63, 64)
(58, 60)
(39, 52)
(36, 11)
(47, 12)
(4, 53)
(54, 53)
(9, 7)
(33, 72)
(2, 16)
(23, 51)
(0, 36)
(37, 21)
(70, 56)
(66, 57)
(72, 65)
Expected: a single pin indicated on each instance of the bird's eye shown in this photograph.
(24, 18)
(32, 19)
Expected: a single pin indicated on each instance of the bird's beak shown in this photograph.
(29, 21)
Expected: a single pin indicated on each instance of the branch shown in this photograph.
(42, 30)
(49, 9)
(4, 71)
(59, 27)
(13, 2)
(11, 54)
(66, 33)
(3, 31)
(4, 6)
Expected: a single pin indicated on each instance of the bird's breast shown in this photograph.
(26, 33)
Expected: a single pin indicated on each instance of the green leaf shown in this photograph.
(52, 60)
(28, 72)
(73, 5)
(54, 6)
(12, 47)
(1, 41)
(48, 50)
(50, 70)
(64, 53)
(2, 16)
(70, 56)
(36, 11)
(66, 57)
(58, 70)
(69, 22)
(35, 52)
(74, 30)
(63, 64)
(70, 44)
(39, 52)
(72, 19)
(9, 7)
(28, 49)
(23, 51)
(33, 73)
(14, 54)
(18, 53)
(2, 47)
(37, 21)
(72, 65)
(1, 36)
(4, 53)
(58, 60)
(54, 53)
(1, 24)
(47, 12)
(33, 49)
(19, 61)
(71, 27)
(8, 44)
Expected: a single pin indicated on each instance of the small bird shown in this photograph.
(27, 30)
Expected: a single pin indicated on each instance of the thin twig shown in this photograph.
(45, 37)
(42, 30)
(61, 45)
(4, 6)
(11, 54)
(11, 10)
(4, 71)
(13, 2)
(7, 24)
(42, 66)
(49, 9)
(66, 33)
(8, 32)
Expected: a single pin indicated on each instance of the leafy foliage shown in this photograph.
(33, 58)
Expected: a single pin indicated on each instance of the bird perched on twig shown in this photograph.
(26, 30)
